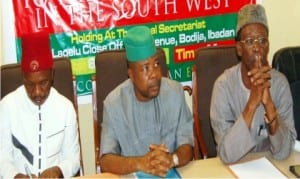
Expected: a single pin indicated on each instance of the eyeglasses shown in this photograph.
(262, 41)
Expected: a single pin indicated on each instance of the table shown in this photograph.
(213, 167)
(282, 165)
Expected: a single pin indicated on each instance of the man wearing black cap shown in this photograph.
(38, 127)
(251, 106)
(147, 125)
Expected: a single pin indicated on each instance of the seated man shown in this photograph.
(147, 125)
(38, 126)
(251, 107)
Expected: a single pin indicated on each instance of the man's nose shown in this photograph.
(256, 46)
(154, 72)
(37, 90)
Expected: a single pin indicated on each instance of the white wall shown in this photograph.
(1, 36)
(8, 47)
(284, 24)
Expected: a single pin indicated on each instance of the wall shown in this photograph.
(8, 49)
(1, 34)
(284, 23)
(87, 137)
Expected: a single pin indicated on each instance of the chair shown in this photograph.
(11, 78)
(200, 149)
(210, 62)
(287, 61)
(64, 82)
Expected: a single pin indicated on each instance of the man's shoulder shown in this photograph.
(277, 75)
(15, 95)
(229, 74)
(170, 84)
(278, 78)
(124, 88)
(57, 98)
(171, 90)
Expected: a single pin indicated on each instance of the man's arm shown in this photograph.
(259, 81)
(279, 117)
(155, 162)
(7, 169)
(278, 110)
(70, 151)
(231, 132)
(184, 154)
(117, 164)
(53, 172)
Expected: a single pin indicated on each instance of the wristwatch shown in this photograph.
(175, 160)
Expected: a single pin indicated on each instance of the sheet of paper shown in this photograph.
(172, 173)
(259, 168)
(297, 145)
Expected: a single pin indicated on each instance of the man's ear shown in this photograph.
(52, 75)
(130, 73)
(239, 49)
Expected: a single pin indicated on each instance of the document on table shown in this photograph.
(172, 173)
(258, 168)
(297, 145)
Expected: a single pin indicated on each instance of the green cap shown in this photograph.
(139, 44)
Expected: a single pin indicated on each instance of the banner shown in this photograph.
(80, 29)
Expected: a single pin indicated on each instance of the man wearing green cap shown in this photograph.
(251, 107)
(147, 125)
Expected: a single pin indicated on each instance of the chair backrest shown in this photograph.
(287, 61)
(210, 62)
(64, 81)
(111, 70)
(11, 78)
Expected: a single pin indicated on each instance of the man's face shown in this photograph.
(253, 47)
(38, 85)
(146, 78)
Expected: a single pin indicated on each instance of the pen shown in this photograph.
(260, 128)
(28, 171)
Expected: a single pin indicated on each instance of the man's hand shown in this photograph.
(260, 82)
(21, 175)
(53, 172)
(260, 93)
(157, 161)
(259, 79)
(161, 147)
(271, 116)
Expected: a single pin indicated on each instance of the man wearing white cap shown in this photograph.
(38, 127)
(251, 106)
(147, 125)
